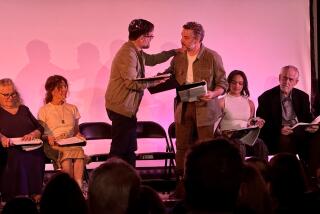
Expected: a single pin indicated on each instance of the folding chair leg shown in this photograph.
(86, 175)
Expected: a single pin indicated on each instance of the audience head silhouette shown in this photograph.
(254, 196)
(62, 194)
(213, 176)
(20, 205)
(287, 178)
(114, 188)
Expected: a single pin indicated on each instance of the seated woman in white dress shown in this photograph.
(239, 112)
(61, 120)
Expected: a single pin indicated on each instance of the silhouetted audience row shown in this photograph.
(216, 180)
(115, 187)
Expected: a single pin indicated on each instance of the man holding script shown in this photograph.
(195, 119)
(126, 87)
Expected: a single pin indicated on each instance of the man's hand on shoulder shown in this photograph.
(180, 50)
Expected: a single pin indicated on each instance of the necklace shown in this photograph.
(60, 113)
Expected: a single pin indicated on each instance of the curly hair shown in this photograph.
(196, 28)
(51, 83)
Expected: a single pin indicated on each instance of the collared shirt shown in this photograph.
(289, 117)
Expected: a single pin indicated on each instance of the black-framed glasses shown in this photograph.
(7, 95)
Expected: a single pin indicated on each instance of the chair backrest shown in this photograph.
(172, 130)
(95, 130)
(172, 133)
(150, 129)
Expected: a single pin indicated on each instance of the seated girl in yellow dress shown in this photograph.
(61, 120)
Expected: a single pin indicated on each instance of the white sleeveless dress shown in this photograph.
(237, 112)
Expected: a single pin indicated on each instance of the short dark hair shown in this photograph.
(287, 177)
(139, 27)
(62, 194)
(245, 89)
(51, 83)
(196, 28)
(213, 172)
(113, 187)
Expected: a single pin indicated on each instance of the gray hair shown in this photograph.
(289, 67)
(8, 82)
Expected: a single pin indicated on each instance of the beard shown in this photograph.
(188, 48)
(146, 46)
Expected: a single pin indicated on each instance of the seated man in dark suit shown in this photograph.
(282, 107)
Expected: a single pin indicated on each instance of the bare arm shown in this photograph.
(221, 102)
(254, 120)
(4, 141)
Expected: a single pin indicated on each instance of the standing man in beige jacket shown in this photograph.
(123, 95)
(195, 120)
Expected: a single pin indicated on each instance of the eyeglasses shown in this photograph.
(7, 95)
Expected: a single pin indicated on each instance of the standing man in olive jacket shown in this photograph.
(195, 120)
(123, 95)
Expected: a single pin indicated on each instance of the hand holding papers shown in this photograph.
(19, 142)
(72, 141)
(26, 145)
(310, 127)
(247, 135)
(167, 85)
(191, 92)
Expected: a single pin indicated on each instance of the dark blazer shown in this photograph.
(269, 108)
(316, 105)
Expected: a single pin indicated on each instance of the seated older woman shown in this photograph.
(23, 174)
(60, 120)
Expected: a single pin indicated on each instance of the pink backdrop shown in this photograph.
(78, 39)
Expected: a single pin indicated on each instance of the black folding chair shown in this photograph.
(149, 130)
(96, 131)
(172, 133)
